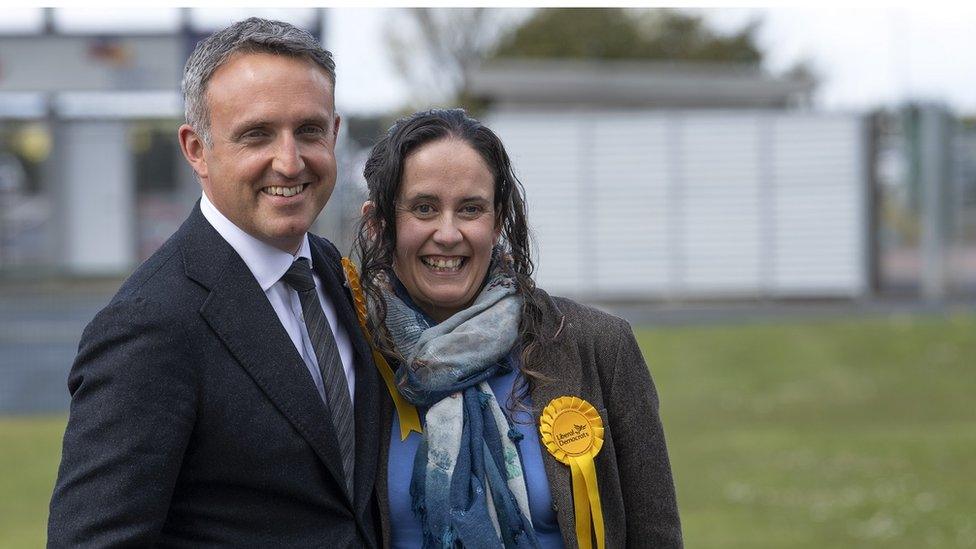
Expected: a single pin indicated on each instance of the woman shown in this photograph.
(480, 352)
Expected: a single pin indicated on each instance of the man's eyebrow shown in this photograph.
(320, 120)
(245, 125)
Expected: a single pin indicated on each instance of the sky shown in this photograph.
(866, 56)
(871, 56)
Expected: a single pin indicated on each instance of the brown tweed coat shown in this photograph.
(594, 355)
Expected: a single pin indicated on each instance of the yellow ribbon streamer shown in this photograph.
(409, 419)
(572, 431)
(588, 470)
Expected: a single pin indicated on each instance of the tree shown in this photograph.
(617, 33)
(435, 49)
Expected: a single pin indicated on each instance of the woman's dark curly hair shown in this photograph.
(375, 244)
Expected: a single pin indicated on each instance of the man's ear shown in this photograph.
(335, 128)
(193, 146)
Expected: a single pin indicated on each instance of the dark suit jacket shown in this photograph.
(194, 421)
(593, 355)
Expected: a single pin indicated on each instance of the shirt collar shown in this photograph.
(267, 263)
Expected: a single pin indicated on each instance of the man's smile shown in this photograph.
(284, 191)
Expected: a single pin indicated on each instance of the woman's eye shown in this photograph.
(471, 210)
(423, 209)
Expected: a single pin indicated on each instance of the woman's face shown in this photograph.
(445, 226)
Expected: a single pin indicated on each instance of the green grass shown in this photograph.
(30, 449)
(822, 434)
(854, 434)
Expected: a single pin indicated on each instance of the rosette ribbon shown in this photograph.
(409, 419)
(572, 431)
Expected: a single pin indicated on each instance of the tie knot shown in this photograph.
(299, 276)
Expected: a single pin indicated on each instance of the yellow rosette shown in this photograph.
(572, 431)
(409, 419)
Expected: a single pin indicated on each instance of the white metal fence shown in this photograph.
(668, 204)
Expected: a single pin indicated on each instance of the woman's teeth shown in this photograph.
(284, 191)
(452, 264)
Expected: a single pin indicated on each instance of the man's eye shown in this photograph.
(423, 209)
(311, 130)
(255, 134)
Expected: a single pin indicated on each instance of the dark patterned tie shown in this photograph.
(299, 277)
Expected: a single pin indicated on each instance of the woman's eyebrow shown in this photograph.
(422, 196)
(435, 198)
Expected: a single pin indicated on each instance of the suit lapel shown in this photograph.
(325, 261)
(562, 381)
(242, 317)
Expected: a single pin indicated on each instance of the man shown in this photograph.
(221, 398)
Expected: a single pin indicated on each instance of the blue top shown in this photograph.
(405, 527)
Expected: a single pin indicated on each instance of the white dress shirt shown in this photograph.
(268, 264)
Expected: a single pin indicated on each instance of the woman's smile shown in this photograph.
(442, 264)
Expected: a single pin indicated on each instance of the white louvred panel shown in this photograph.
(628, 222)
(657, 204)
(819, 200)
(719, 207)
(545, 151)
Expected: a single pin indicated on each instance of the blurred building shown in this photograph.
(685, 181)
(644, 180)
(92, 180)
(927, 201)
(517, 84)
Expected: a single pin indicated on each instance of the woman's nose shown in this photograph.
(447, 233)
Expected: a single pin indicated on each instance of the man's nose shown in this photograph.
(448, 233)
(288, 159)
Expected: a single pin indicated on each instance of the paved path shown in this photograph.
(681, 314)
(39, 337)
(39, 331)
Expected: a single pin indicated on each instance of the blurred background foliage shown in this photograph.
(619, 33)
(436, 60)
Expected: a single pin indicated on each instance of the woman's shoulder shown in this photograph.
(578, 316)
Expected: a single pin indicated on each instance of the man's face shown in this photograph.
(271, 168)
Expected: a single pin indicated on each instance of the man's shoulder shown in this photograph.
(161, 277)
(324, 250)
(162, 264)
(325, 247)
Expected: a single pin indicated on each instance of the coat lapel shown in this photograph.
(242, 317)
(561, 381)
(326, 262)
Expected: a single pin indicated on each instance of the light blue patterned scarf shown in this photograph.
(468, 487)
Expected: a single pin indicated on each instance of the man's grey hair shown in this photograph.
(252, 35)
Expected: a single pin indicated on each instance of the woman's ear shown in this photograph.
(367, 212)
